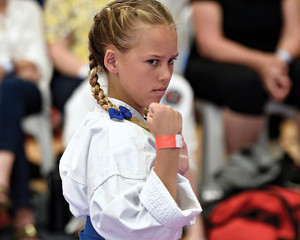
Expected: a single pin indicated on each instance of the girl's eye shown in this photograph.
(172, 60)
(152, 61)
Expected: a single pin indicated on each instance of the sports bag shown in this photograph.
(272, 213)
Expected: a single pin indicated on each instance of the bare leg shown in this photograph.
(6, 165)
(241, 130)
(23, 216)
(24, 224)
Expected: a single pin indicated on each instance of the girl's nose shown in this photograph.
(166, 72)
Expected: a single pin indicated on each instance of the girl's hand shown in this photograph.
(163, 120)
(183, 161)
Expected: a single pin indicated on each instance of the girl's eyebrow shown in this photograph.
(159, 56)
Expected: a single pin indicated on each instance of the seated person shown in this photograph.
(25, 73)
(66, 27)
(245, 53)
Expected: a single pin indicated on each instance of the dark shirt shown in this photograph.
(253, 23)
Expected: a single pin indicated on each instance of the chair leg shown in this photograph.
(213, 141)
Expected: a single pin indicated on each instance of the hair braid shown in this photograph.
(99, 95)
(97, 91)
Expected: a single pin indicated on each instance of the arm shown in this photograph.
(212, 43)
(59, 30)
(145, 210)
(31, 60)
(63, 59)
(163, 120)
(290, 37)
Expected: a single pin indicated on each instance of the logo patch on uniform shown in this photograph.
(173, 97)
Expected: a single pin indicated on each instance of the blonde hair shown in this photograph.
(115, 25)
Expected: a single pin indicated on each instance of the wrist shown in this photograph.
(169, 141)
(83, 71)
(284, 55)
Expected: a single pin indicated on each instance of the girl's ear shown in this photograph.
(110, 61)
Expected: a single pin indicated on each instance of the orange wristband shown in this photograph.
(169, 141)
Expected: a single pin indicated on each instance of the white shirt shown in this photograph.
(107, 174)
(22, 37)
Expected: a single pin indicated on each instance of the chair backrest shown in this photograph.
(185, 34)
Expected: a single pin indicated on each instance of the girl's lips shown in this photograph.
(160, 91)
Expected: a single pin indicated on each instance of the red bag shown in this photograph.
(269, 214)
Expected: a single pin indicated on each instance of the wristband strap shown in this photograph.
(169, 141)
(284, 55)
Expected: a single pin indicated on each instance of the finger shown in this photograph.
(284, 85)
(285, 82)
(151, 110)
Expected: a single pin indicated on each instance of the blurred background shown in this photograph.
(236, 83)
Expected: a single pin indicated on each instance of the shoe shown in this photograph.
(27, 232)
(4, 199)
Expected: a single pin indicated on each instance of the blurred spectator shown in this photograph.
(66, 26)
(245, 53)
(25, 73)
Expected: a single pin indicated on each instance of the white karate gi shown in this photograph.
(107, 174)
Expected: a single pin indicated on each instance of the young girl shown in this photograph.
(120, 171)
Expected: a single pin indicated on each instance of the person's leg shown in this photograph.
(18, 98)
(235, 87)
(241, 130)
(294, 97)
(6, 163)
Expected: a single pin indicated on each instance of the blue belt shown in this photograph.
(89, 233)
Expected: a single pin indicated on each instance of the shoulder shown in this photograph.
(113, 131)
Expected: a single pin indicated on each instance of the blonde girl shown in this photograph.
(122, 169)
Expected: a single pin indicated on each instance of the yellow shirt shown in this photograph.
(71, 18)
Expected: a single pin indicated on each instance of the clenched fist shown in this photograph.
(163, 120)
